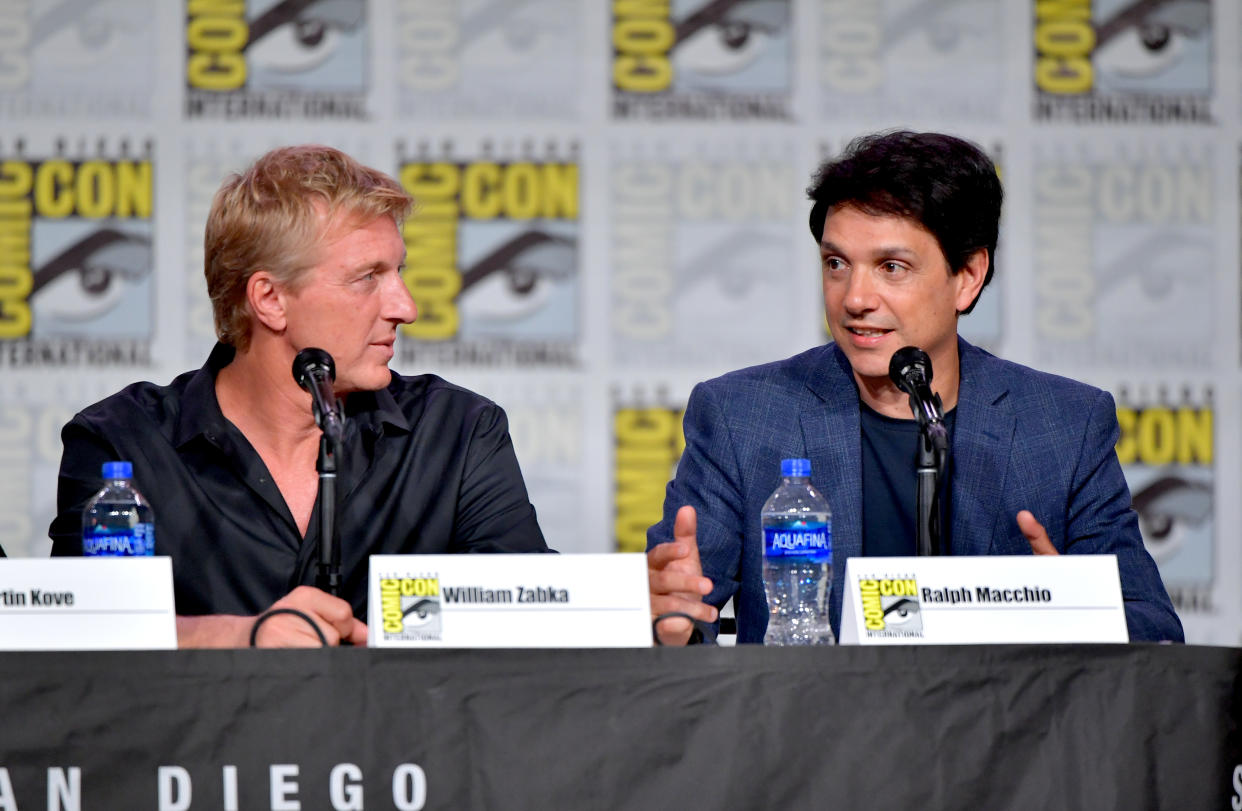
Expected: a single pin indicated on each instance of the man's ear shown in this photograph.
(970, 278)
(267, 300)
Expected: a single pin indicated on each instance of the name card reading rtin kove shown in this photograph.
(87, 604)
(509, 601)
(982, 600)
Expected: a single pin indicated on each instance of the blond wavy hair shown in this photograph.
(272, 217)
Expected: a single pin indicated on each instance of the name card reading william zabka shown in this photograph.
(982, 600)
(87, 604)
(508, 601)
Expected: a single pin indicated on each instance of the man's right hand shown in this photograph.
(333, 616)
(676, 582)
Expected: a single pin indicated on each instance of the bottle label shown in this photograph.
(813, 541)
(136, 542)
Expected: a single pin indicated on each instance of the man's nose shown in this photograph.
(398, 303)
(860, 292)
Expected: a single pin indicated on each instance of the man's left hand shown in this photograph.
(1035, 534)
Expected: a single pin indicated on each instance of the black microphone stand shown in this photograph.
(328, 577)
(933, 452)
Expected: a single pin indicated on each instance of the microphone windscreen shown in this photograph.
(309, 360)
(905, 360)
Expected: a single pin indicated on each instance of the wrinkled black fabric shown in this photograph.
(1057, 727)
(426, 467)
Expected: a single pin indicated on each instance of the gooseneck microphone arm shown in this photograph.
(314, 370)
(911, 371)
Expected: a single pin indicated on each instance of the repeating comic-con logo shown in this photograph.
(545, 422)
(492, 256)
(206, 166)
(89, 59)
(919, 57)
(265, 59)
(702, 59)
(410, 607)
(647, 444)
(1123, 236)
(1123, 61)
(32, 413)
(489, 58)
(982, 326)
(76, 256)
(703, 260)
(890, 606)
(1167, 453)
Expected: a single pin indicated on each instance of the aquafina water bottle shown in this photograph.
(797, 559)
(117, 521)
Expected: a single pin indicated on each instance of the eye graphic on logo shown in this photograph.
(295, 35)
(931, 19)
(1170, 508)
(903, 611)
(420, 612)
(735, 264)
(82, 34)
(518, 277)
(88, 278)
(1156, 265)
(1147, 37)
(508, 32)
(723, 38)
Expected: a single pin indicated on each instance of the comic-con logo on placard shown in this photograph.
(265, 59)
(85, 59)
(1123, 61)
(76, 259)
(410, 608)
(647, 444)
(701, 59)
(1116, 227)
(890, 606)
(702, 245)
(886, 58)
(492, 260)
(1166, 451)
(517, 58)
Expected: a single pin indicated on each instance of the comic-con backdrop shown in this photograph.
(612, 207)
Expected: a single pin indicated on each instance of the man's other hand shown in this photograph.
(676, 582)
(1035, 534)
(333, 616)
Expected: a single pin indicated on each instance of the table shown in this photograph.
(1053, 726)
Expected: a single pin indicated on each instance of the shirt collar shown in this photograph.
(201, 414)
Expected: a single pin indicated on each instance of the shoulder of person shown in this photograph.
(140, 401)
(415, 394)
(1031, 389)
(790, 374)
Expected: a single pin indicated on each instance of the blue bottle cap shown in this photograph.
(118, 470)
(795, 467)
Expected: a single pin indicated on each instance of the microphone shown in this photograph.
(314, 370)
(911, 371)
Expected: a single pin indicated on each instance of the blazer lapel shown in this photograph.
(830, 431)
(982, 436)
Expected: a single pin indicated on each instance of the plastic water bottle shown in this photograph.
(797, 559)
(117, 521)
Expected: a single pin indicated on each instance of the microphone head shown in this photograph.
(309, 361)
(908, 361)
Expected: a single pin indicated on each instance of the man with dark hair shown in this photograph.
(302, 249)
(907, 226)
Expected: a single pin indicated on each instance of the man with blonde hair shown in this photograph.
(302, 249)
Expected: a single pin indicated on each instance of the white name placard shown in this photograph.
(87, 604)
(982, 600)
(509, 601)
